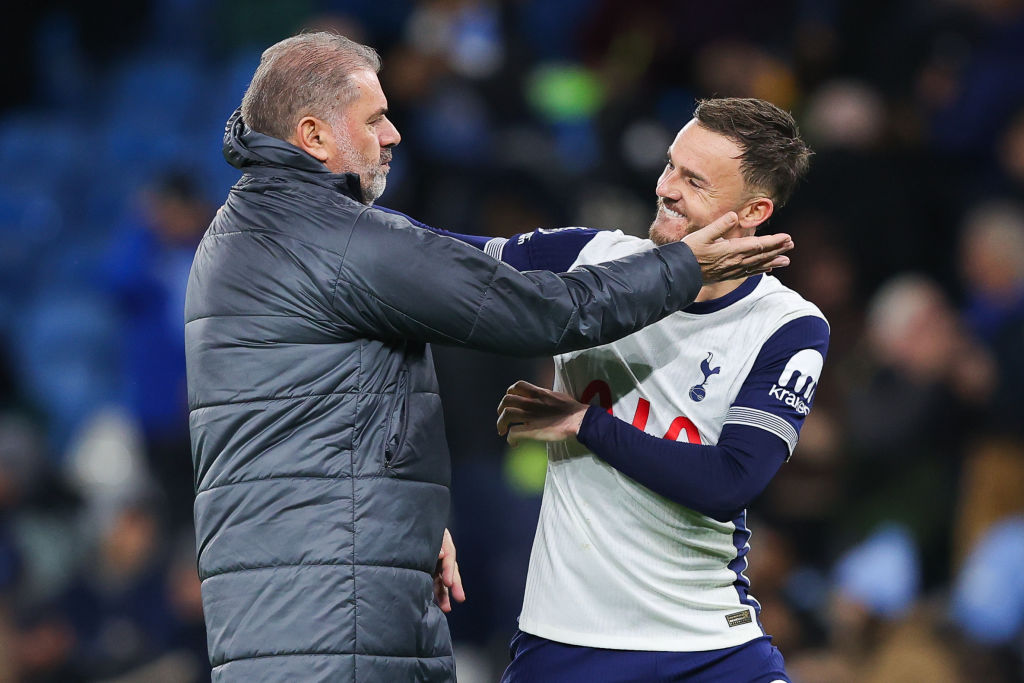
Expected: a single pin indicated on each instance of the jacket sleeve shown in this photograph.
(554, 249)
(399, 282)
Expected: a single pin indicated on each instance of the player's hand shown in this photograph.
(447, 580)
(729, 259)
(530, 412)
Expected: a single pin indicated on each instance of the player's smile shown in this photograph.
(675, 215)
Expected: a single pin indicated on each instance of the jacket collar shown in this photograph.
(245, 149)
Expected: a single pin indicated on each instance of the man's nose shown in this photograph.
(666, 189)
(390, 136)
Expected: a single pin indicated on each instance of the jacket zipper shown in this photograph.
(397, 418)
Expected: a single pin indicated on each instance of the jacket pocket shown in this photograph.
(398, 418)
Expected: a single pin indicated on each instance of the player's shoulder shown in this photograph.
(607, 245)
(781, 305)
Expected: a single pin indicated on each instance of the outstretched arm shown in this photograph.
(400, 283)
(556, 250)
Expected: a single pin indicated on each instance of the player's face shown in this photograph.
(364, 137)
(701, 181)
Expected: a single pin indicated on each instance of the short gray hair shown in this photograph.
(305, 75)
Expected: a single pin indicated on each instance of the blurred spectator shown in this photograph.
(18, 463)
(991, 489)
(845, 114)
(911, 406)
(980, 58)
(106, 462)
(146, 272)
(993, 269)
(882, 575)
(992, 263)
(741, 69)
(118, 607)
(188, 635)
(1011, 153)
(988, 598)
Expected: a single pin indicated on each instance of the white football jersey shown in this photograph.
(615, 565)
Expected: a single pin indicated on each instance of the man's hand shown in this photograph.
(447, 580)
(722, 259)
(530, 412)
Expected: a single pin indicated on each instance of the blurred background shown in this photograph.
(888, 549)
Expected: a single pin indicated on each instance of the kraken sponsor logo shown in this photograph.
(799, 380)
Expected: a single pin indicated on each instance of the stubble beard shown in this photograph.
(661, 233)
(373, 183)
(373, 178)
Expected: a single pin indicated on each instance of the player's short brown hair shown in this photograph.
(774, 158)
(305, 75)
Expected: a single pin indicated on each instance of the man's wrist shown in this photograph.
(687, 275)
(577, 420)
(588, 422)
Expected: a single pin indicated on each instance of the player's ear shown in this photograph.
(755, 212)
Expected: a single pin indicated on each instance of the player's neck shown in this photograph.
(718, 289)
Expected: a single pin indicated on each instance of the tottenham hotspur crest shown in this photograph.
(697, 392)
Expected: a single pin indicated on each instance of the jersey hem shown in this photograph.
(739, 636)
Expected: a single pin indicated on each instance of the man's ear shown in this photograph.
(755, 212)
(315, 137)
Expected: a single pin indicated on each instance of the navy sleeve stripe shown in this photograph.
(752, 417)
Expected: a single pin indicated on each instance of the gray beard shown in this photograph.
(372, 181)
(372, 185)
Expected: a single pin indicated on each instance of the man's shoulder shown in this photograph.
(381, 217)
(782, 304)
(300, 211)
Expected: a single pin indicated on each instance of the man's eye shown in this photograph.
(695, 184)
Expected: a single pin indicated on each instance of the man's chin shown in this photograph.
(373, 187)
(662, 234)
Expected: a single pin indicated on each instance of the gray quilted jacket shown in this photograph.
(321, 466)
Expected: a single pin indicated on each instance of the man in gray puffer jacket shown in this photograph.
(320, 460)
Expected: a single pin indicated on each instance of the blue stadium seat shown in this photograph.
(224, 89)
(65, 347)
(159, 90)
(41, 147)
(30, 220)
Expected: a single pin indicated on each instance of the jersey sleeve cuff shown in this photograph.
(495, 247)
(591, 422)
(761, 419)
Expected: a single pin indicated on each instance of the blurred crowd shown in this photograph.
(887, 549)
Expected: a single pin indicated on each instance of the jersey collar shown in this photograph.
(712, 305)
